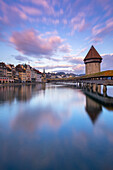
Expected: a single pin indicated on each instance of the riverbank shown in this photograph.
(18, 84)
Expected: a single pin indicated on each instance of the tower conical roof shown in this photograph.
(92, 54)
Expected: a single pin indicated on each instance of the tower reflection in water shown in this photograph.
(93, 109)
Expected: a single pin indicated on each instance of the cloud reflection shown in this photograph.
(32, 120)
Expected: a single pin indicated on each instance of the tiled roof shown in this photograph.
(37, 71)
(3, 64)
(9, 67)
(92, 54)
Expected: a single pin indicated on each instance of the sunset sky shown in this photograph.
(56, 34)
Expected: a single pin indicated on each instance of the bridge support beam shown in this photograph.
(94, 87)
(80, 85)
(84, 85)
(90, 87)
(77, 84)
(104, 90)
(99, 89)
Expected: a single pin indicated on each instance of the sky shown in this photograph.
(56, 34)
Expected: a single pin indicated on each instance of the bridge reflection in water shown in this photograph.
(94, 100)
(94, 103)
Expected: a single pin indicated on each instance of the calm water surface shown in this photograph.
(53, 127)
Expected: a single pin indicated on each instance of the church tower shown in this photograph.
(92, 61)
(44, 76)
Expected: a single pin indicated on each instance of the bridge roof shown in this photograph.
(108, 73)
(92, 54)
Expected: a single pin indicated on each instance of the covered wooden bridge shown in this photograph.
(91, 81)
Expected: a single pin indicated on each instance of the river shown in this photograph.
(49, 126)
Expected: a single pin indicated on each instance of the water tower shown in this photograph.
(92, 61)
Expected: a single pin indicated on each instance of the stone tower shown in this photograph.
(92, 61)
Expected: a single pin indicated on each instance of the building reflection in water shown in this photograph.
(93, 109)
(20, 93)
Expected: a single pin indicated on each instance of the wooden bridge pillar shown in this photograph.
(77, 84)
(104, 90)
(80, 85)
(84, 85)
(90, 87)
(99, 89)
(94, 87)
(87, 86)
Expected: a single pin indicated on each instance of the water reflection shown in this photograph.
(99, 98)
(20, 92)
(48, 127)
(93, 109)
(31, 120)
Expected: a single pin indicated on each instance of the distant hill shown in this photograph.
(81, 74)
(60, 73)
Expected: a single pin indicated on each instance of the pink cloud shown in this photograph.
(64, 21)
(101, 30)
(50, 21)
(46, 7)
(66, 48)
(22, 58)
(79, 68)
(2, 37)
(55, 66)
(107, 63)
(31, 43)
(74, 60)
(78, 22)
(11, 14)
(50, 33)
(43, 3)
(107, 6)
(96, 40)
(75, 67)
(19, 12)
(30, 10)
